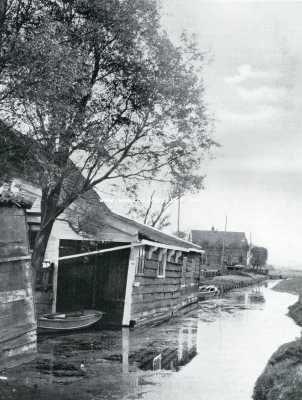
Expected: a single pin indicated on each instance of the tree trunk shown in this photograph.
(40, 246)
(49, 213)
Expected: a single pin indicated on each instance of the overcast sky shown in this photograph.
(254, 88)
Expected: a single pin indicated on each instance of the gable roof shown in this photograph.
(216, 238)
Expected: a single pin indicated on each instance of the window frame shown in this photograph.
(141, 259)
(184, 266)
(163, 262)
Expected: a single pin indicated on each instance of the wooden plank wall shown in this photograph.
(155, 299)
(17, 314)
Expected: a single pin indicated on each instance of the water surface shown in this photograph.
(233, 347)
(215, 352)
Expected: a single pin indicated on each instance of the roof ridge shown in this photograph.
(156, 230)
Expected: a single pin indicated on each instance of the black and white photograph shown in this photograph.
(150, 200)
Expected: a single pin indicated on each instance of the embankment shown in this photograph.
(229, 282)
(293, 286)
(282, 377)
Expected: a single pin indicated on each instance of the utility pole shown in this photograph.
(250, 250)
(223, 243)
(178, 215)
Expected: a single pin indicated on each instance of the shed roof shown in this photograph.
(8, 198)
(153, 234)
(88, 216)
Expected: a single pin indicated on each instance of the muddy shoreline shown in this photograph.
(282, 378)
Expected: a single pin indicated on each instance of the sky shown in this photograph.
(253, 88)
(253, 82)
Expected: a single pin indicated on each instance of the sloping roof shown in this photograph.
(216, 238)
(8, 198)
(153, 234)
(86, 215)
(89, 216)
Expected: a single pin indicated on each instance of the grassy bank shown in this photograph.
(282, 377)
(293, 286)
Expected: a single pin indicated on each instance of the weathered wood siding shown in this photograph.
(46, 294)
(157, 298)
(17, 316)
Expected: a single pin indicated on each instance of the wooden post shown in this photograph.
(129, 286)
(223, 243)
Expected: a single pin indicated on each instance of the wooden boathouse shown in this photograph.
(97, 259)
(17, 316)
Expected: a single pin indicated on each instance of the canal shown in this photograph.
(215, 352)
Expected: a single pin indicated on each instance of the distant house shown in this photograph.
(96, 259)
(221, 248)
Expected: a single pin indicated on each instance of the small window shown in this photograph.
(140, 261)
(161, 266)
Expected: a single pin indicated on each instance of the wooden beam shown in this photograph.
(177, 256)
(170, 255)
(12, 259)
(161, 253)
(12, 296)
(91, 253)
(129, 286)
(151, 251)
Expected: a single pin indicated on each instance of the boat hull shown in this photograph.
(206, 296)
(51, 323)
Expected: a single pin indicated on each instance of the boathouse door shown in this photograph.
(93, 281)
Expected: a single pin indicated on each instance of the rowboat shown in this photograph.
(207, 292)
(69, 321)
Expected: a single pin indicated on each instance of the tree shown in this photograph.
(259, 256)
(16, 18)
(152, 211)
(151, 207)
(103, 88)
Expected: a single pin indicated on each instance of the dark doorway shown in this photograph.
(93, 281)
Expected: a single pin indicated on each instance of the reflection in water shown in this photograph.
(233, 346)
(214, 353)
(172, 357)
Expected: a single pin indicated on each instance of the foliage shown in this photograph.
(16, 152)
(99, 83)
(258, 256)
